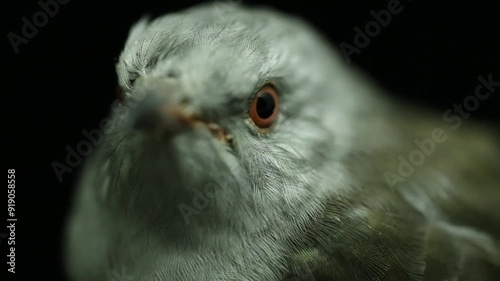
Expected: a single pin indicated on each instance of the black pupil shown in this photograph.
(265, 105)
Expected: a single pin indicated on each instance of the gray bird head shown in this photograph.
(187, 164)
(189, 80)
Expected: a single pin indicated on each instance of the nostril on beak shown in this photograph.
(184, 101)
(145, 114)
(146, 121)
(161, 112)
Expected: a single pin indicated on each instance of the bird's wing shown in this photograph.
(441, 223)
(363, 244)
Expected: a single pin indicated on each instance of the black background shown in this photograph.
(63, 81)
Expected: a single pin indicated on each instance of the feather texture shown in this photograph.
(346, 185)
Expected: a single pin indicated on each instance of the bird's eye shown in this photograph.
(264, 107)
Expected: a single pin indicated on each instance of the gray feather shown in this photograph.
(306, 201)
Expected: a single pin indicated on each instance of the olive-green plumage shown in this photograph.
(441, 223)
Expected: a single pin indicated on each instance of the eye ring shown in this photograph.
(264, 107)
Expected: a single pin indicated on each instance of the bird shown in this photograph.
(243, 147)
